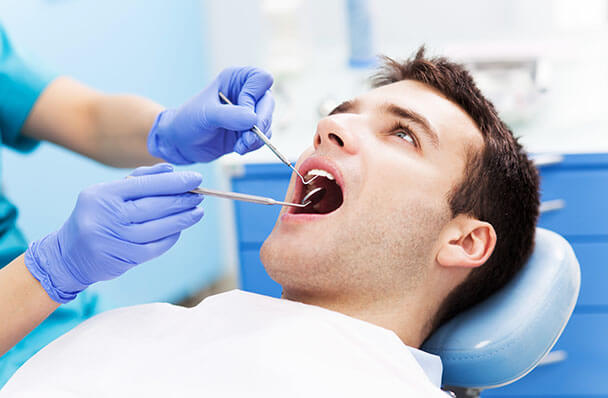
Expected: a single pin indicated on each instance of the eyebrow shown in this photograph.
(345, 107)
(395, 110)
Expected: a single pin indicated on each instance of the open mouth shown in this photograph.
(328, 201)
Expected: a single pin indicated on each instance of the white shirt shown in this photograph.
(231, 345)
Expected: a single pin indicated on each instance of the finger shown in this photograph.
(257, 82)
(230, 117)
(240, 148)
(249, 141)
(258, 144)
(156, 184)
(155, 207)
(156, 169)
(153, 230)
(138, 253)
(264, 110)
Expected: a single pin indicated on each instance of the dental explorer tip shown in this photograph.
(302, 178)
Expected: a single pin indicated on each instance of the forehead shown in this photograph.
(453, 125)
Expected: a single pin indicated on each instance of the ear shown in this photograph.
(466, 242)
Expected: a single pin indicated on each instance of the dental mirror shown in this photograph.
(314, 196)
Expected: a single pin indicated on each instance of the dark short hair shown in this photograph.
(499, 185)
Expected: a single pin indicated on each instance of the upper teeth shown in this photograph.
(322, 173)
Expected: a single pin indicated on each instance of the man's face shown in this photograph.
(395, 152)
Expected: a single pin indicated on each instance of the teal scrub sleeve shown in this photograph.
(20, 86)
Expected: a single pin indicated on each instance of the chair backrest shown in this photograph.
(503, 338)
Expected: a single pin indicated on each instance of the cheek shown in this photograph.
(393, 216)
(400, 236)
(409, 205)
(402, 184)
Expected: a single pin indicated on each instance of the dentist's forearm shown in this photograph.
(112, 129)
(24, 304)
(123, 123)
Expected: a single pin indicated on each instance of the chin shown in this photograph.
(291, 263)
(281, 256)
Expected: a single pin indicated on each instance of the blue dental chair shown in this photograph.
(502, 339)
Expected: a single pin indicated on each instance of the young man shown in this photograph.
(430, 206)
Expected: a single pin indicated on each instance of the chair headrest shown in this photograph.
(503, 338)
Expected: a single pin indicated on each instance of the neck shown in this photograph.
(407, 317)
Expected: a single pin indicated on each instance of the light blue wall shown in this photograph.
(152, 48)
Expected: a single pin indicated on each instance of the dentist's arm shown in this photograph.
(129, 131)
(24, 303)
(113, 227)
(111, 129)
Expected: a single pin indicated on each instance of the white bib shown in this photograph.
(231, 345)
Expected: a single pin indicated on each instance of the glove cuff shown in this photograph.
(44, 265)
(159, 144)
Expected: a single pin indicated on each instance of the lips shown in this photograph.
(335, 189)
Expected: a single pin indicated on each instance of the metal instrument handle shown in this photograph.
(274, 150)
(234, 195)
(245, 197)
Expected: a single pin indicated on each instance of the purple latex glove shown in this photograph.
(205, 128)
(113, 227)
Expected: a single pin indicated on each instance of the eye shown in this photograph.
(406, 135)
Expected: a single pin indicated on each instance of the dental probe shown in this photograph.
(251, 198)
(266, 141)
(246, 198)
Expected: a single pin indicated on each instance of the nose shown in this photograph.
(333, 131)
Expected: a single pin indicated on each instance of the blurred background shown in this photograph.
(544, 63)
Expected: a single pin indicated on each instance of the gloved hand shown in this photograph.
(204, 128)
(114, 227)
